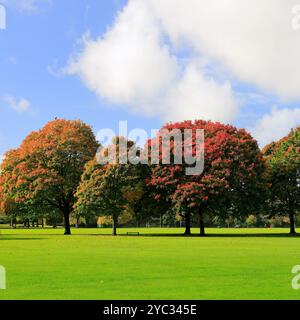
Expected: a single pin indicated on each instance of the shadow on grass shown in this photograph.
(9, 238)
(41, 236)
(214, 235)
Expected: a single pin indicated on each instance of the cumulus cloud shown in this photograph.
(196, 96)
(275, 125)
(129, 64)
(132, 65)
(18, 105)
(254, 40)
(138, 62)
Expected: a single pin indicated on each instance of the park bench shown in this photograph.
(133, 233)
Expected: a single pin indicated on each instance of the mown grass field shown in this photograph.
(159, 264)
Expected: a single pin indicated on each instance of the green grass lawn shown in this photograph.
(159, 264)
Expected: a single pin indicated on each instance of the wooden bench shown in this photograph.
(133, 233)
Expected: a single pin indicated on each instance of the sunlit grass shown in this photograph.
(158, 264)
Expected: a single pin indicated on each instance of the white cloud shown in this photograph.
(132, 65)
(136, 63)
(26, 6)
(196, 96)
(128, 64)
(277, 124)
(18, 105)
(254, 40)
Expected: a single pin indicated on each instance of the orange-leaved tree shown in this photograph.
(44, 172)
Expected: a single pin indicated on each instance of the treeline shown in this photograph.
(54, 175)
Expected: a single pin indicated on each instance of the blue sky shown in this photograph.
(31, 43)
(38, 82)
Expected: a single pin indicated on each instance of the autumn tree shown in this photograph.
(283, 160)
(110, 187)
(232, 177)
(44, 172)
(8, 207)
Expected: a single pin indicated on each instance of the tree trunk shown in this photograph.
(187, 224)
(292, 224)
(115, 225)
(67, 222)
(201, 223)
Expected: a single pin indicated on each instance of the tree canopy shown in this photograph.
(44, 172)
(57, 171)
(232, 175)
(108, 189)
(283, 160)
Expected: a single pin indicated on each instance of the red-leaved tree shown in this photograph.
(232, 179)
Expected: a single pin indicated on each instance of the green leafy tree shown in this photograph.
(112, 188)
(283, 160)
(251, 221)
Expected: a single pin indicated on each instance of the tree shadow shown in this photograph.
(40, 236)
(214, 235)
(253, 235)
(14, 238)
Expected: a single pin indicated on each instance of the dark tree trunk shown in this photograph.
(115, 225)
(187, 224)
(201, 223)
(67, 222)
(292, 223)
